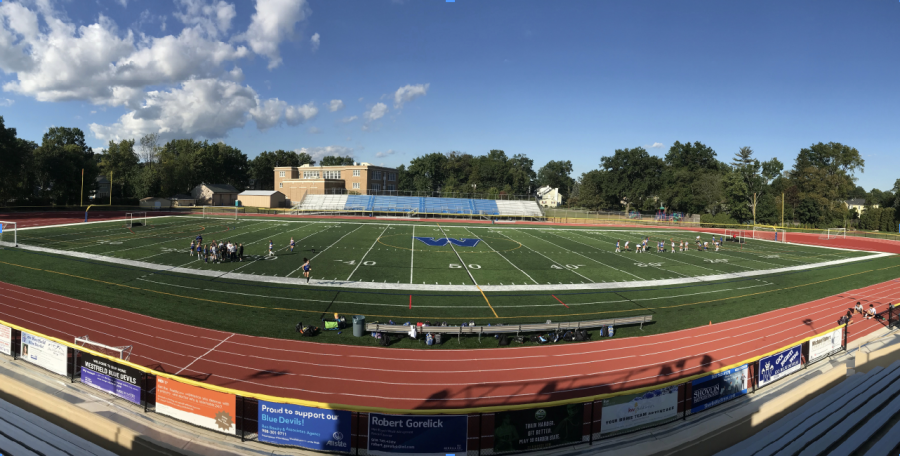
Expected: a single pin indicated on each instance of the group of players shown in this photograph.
(683, 246)
(216, 251)
(222, 251)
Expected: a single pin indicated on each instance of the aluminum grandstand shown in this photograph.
(414, 206)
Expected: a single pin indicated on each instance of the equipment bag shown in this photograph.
(385, 340)
(504, 340)
(611, 331)
(429, 339)
(437, 339)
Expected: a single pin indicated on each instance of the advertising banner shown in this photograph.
(439, 435)
(826, 344)
(5, 340)
(532, 429)
(316, 429)
(623, 413)
(112, 377)
(779, 365)
(44, 353)
(719, 388)
(195, 405)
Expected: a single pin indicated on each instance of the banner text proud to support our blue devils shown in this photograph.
(421, 435)
(316, 429)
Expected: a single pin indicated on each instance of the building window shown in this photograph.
(310, 174)
(332, 174)
(377, 175)
(281, 174)
(390, 187)
(376, 187)
(355, 173)
(392, 177)
(281, 185)
(356, 185)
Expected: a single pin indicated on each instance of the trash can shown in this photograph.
(359, 325)
(237, 203)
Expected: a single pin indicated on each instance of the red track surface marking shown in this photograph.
(416, 379)
(49, 218)
(554, 297)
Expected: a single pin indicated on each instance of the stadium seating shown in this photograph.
(843, 420)
(422, 205)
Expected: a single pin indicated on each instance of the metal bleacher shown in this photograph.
(859, 412)
(422, 206)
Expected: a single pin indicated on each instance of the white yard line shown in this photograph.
(412, 255)
(668, 257)
(586, 245)
(464, 265)
(208, 352)
(323, 250)
(149, 234)
(367, 252)
(263, 239)
(501, 256)
(560, 265)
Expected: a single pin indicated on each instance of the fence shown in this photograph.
(359, 430)
(581, 216)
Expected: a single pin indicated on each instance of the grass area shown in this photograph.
(272, 310)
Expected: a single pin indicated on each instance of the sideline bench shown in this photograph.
(515, 328)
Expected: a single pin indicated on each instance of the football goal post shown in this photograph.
(735, 236)
(8, 234)
(769, 233)
(133, 219)
(123, 352)
(834, 233)
(220, 212)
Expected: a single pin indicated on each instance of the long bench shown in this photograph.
(516, 328)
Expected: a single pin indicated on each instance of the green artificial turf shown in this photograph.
(383, 252)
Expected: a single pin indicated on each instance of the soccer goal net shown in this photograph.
(220, 212)
(123, 352)
(834, 233)
(769, 233)
(735, 236)
(8, 234)
(133, 219)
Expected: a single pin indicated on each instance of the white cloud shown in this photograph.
(314, 130)
(385, 153)
(408, 93)
(657, 145)
(335, 105)
(124, 3)
(296, 115)
(318, 152)
(214, 18)
(360, 99)
(273, 23)
(378, 111)
(315, 41)
(349, 119)
(6, 102)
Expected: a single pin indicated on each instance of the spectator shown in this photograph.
(871, 312)
(859, 307)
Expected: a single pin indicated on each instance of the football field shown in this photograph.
(398, 255)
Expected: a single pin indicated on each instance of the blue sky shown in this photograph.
(550, 79)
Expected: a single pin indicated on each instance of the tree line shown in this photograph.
(689, 179)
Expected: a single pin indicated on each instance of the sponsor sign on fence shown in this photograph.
(826, 344)
(5, 340)
(440, 435)
(316, 429)
(44, 353)
(112, 377)
(779, 365)
(719, 388)
(532, 429)
(625, 413)
(198, 406)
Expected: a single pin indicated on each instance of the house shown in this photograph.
(859, 204)
(550, 197)
(261, 198)
(153, 202)
(183, 200)
(214, 194)
(295, 182)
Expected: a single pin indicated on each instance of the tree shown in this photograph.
(685, 165)
(262, 167)
(631, 176)
(588, 192)
(149, 148)
(520, 175)
(223, 164)
(556, 174)
(15, 164)
(121, 162)
(426, 172)
(735, 194)
(337, 161)
(58, 164)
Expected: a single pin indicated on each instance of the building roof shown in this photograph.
(221, 188)
(151, 198)
(182, 196)
(856, 202)
(258, 193)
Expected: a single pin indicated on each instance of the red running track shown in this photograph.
(423, 379)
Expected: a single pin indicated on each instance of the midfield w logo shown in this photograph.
(443, 241)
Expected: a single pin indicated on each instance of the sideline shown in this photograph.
(462, 288)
